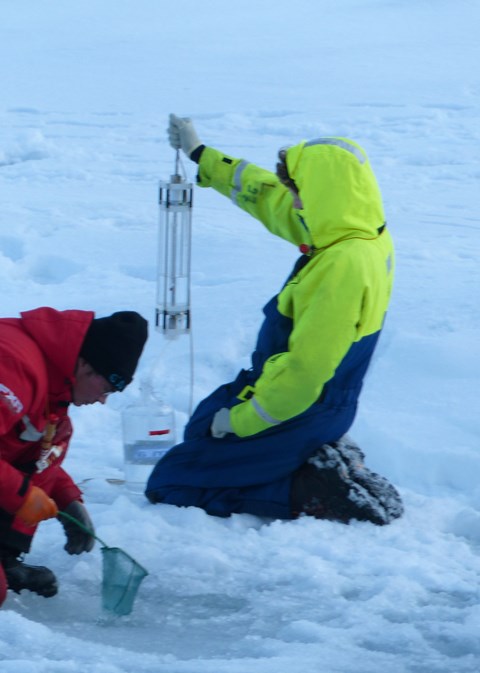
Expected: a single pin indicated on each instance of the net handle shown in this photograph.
(90, 532)
(82, 526)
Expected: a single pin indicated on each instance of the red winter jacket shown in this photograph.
(38, 356)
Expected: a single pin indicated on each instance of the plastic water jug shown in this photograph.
(148, 433)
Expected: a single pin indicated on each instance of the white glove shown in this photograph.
(221, 424)
(182, 134)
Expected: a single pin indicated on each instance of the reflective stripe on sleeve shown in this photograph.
(263, 414)
(237, 180)
(338, 142)
(30, 433)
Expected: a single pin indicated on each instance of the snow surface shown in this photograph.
(86, 88)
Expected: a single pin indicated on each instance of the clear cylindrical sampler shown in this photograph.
(174, 255)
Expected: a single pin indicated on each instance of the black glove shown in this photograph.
(78, 540)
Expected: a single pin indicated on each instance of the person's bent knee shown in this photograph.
(3, 586)
(152, 497)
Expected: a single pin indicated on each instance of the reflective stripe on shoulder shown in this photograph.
(263, 414)
(237, 180)
(338, 142)
(10, 400)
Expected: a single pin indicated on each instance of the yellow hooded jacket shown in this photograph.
(338, 300)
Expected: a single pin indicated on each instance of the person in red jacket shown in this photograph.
(50, 359)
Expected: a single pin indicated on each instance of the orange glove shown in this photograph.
(36, 507)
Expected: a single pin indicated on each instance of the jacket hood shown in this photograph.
(338, 189)
(58, 334)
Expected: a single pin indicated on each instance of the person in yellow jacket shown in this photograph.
(273, 442)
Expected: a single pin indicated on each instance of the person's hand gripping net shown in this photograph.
(182, 134)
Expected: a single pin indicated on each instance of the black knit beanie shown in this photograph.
(113, 345)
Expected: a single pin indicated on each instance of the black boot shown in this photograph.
(20, 576)
(369, 483)
(334, 484)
